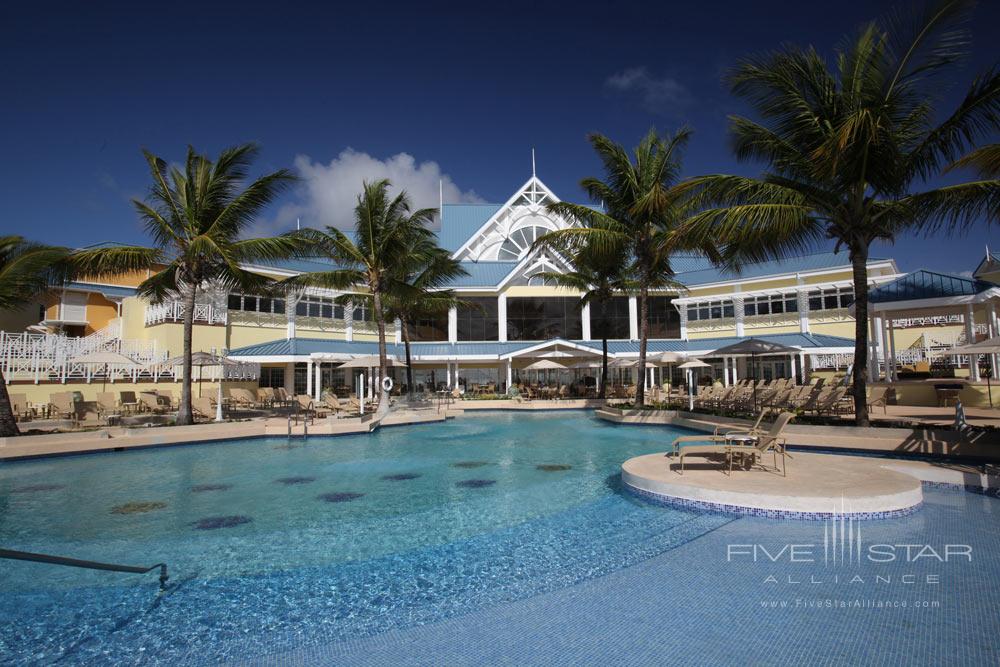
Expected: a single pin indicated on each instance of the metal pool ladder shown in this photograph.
(88, 564)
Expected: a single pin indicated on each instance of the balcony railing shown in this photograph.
(173, 311)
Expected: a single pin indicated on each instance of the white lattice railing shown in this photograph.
(173, 311)
(50, 357)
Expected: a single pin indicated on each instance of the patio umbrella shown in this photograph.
(688, 365)
(200, 360)
(665, 359)
(105, 357)
(752, 347)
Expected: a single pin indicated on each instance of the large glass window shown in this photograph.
(709, 310)
(319, 306)
(519, 241)
(430, 328)
(771, 304)
(479, 320)
(664, 320)
(830, 299)
(271, 376)
(543, 318)
(616, 317)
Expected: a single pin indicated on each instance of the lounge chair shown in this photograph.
(708, 445)
(107, 405)
(154, 403)
(204, 407)
(128, 401)
(19, 405)
(831, 404)
(311, 407)
(879, 396)
(266, 395)
(167, 398)
(61, 404)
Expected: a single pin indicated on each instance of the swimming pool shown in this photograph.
(498, 538)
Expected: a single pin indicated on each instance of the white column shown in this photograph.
(349, 321)
(452, 325)
(633, 318)
(791, 359)
(970, 338)
(309, 377)
(893, 365)
(991, 313)
(290, 378)
(872, 347)
(399, 330)
(585, 321)
(802, 367)
(725, 371)
(683, 311)
(501, 318)
(803, 302)
(290, 304)
(738, 315)
(510, 374)
(448, 375)
(318, 382)
(884, 331)
(652, 380)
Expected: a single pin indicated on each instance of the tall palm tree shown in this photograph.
(28, 270)
(386, 230)
(419, 291)
(644, 207)
(197, 218)
(601, 274)
(849, 149)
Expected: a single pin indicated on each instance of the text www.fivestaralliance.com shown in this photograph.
(849, 603)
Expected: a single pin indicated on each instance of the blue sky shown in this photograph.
(419, 91)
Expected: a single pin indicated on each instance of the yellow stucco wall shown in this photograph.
(100, 312)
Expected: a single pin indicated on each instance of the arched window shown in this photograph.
(519, 241)
(539, 281)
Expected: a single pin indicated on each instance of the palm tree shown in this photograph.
(28, 270)
(197, 218)
(644, 207)
(418, 290)
(600, 273)
(847, 150)
(386, 230)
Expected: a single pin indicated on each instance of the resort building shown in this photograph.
(513, 318)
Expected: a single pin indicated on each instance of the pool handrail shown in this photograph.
(88, 564)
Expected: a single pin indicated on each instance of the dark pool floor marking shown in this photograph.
(34, 488)
(211, 487)
(553, 467)
(295, 480)
(470, 464)
(401, 477)
(216, 522)
(138, 507)
(475, 483)
(339, 496)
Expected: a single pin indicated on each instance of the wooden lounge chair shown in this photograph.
(831, 404)
(311, 407)
(266, 396)
(154, 403)
(167, 398)
(107, 405)
(62, 405)
(19, 405)
(709, 445)
(128, 401)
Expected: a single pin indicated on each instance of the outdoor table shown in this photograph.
(742, 443)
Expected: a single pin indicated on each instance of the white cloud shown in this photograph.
(664, 95)
(329, 191)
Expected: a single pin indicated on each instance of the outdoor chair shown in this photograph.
(266, 396)
(62, 405)
(879, 396)
(19, 405)
(204, 407)
(154, 403)
(107, 405)
(128, 401)
(830, 404)
(167, 397)
(710, 445)
(309, 406)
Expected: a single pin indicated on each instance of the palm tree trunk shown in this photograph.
(184, 413)
(383, 405)
(8, 424)
(604, 350)
(640, 387)
(859, 266)
(409, 364)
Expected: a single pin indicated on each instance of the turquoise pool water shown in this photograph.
(430, 544)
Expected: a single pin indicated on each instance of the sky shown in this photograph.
(416, 92)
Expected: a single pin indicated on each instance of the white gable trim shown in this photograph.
(501, 211)
(555, 342)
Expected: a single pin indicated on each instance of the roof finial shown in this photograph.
(987, 252)
(532, 162)
(298, 225)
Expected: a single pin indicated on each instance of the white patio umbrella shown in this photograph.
(688, 366)
(107, 358)
(200, 360)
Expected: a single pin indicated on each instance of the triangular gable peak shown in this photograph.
(509, 233)
(541, 260)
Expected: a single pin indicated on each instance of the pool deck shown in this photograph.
(816, 484)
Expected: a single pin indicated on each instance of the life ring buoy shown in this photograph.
(387, 383)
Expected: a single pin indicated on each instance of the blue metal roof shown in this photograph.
(306, 346)
(483, 274)
(460, 221)
(114, 291)
(923, 284)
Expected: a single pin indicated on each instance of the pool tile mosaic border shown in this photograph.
(724, 508)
